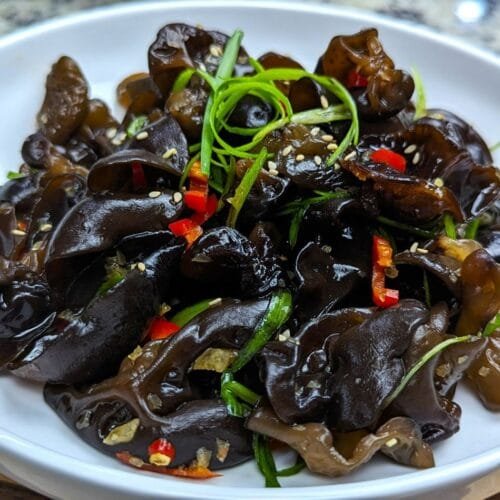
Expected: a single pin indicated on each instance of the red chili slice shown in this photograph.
(388, 157)
(356, 80)
(161, 329)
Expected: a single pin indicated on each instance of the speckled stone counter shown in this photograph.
(477, 21)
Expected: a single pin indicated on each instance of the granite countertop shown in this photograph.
(477, 21)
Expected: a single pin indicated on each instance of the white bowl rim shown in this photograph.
(42, 458)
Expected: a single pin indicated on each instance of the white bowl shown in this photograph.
(35, 447)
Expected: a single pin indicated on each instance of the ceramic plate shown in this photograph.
(35, 447)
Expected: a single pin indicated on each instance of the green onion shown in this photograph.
(493, 324)
(293, 232)
(427, 290)
(293, 469)
(320, 115)
(417, 231)
(449, 226)
(265, 460)
(136, 125)
(244, 188)
(113, 277)
(184, 316)
(471, 229)
(421, 362)
(420, 104)
(15, 175)
(278, 312)
(225, 70)
(182, 80)
(187, 168)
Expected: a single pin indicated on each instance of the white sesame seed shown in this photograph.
(324, 102)
(462, 359)
(484, 371)
(122, 136)
(285, 335)
(142, 135)
(357, 380)
(177, 197)
(202, 67)
(17, 232)
(350, 156)
(116, 142)
(326, 248)
(337, 166)
(36, 246)
(416, 158)
(313, 384)
(332, 146)
(164, 309)
(216, 50)
(327, 137)
(315, 131)
(287, 150)
(300, 157)
(45, 228)
(169, 153)
(391, 443)
(273, 172)
(111, 132)
(141, 266)
(414, 247)
(154, 194)
(44, 118)
(215, 302)
(133, 266)
(423, 251)
(410, 149)
(271, 165)
(438, 182)
(317, 160)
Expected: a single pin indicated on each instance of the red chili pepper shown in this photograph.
(211, 208)
(196, 200)
(182, 226)
(161, 329)
(388, 157)
(381, 259)
(138, 177)
(196, 173)
(191, 472)
(356, 80)
(161, 452)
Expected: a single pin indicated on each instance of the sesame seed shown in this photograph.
(141, 266)
(423, 251)
(283, 258)
(324, 102)
(44, 118)
(45, 228)
(337, 166)
(332, 146)
(391, 443)
(273, 172)
(111, 132)
(169, 153)
(438, 182)
(317, 160)
(116, 142)
(216, 50)
(142, 135)
(416, 158)
(177, 197)
(410, 149)
(313, 384)
(215, 302)
(357, 380)
(36, 246)
(350, 156)
(327, 137)
(17, 232)
(315, 131)
(462, 359)
(202, 66)
(154, 194)
(443, 370)
(271, 165)
(414, 247)
(284, 336)
(300, 157)
(484, 371)
(164, 309)
(122, 136)
(287, 150)
(133, 266)
(326, 248)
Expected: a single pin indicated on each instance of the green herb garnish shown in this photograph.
(113, 277)
(136, 125)
(421, 101)
(265, 460)
(184, 316)
(493, 325)
(495, 147)
(242, 191)
(472, 228)
(417, 231)
(15, 175)
(421, 362)
(182, 80)
(449, 226)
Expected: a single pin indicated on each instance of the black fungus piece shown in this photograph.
(227, 261)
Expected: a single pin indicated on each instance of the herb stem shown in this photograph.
(423, 233)
(472, 228)
(449, 226)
